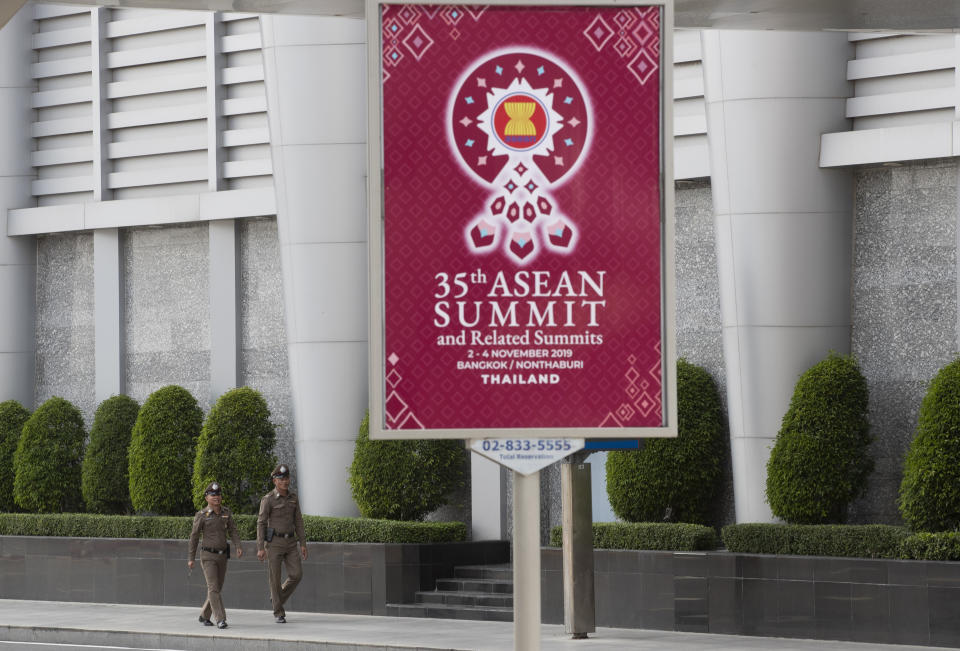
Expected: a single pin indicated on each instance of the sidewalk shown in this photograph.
(168, 627)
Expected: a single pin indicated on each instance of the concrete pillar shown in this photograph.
(18, 256)
(783, 227)
(316, 77)
(108, 299)
(224, 307)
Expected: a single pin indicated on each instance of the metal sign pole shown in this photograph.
(579, 608)
(526, 561)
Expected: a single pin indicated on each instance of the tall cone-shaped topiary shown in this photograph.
(106, 467)
(930, 489)
(819, 462)
(13, 416)
(235, 449)
(162, 450)
(674, 479)
(48, 457)
(404, 480)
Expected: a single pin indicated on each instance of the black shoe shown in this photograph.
(205, 621)
(221, 624)
(281, 619)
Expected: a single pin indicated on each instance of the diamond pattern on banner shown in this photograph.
(418, 42)
(642, 66)
(636, 29)
(399, 415)
(598, 33)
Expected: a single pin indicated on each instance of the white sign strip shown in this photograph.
(526, 455)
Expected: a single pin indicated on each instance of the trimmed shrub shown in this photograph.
(404, 480)
(236, 449)
(930, 489)
(106, 469)
(661, 536)
(162, 450)
(318, 529)
(819, 462)
(943, 546)
(674, 479)
(48, 458)
(857, 541)
(13, 415)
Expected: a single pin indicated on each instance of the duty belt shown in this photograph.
(215, 551)
(290, 534)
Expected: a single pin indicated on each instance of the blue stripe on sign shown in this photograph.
(612, 444)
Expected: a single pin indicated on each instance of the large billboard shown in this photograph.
(521, 206)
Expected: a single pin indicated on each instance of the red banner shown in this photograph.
(522, 217)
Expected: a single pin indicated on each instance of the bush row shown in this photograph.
(318, 528)
(155, 459)
(660, 536)
(859, 541)
(944, 546)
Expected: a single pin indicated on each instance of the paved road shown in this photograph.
(43, 646)
(62, 626)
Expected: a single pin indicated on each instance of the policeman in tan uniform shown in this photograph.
(279, 530)
(213, 524)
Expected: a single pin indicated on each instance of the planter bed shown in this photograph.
(355, 578)
(864, 600)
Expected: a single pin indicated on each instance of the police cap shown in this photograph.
(213, 488)
(281, 471)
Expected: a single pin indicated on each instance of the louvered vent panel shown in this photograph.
(124, 105)
(901, 80)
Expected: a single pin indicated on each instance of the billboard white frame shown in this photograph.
(375, 225)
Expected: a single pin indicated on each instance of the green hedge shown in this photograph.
(326, 529)
(819, 462)
(677, 480)
(48, 458)
(930, 490)
(13, 415)
(235, 449)
(660, 536)
(319, 529)
(932, 546)
(105, 476)
(858, 541)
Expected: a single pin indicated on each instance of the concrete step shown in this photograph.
(465, 598)
(498, 586)
(502, 571)
(444, 611)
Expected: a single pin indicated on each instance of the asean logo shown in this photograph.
(520, 124)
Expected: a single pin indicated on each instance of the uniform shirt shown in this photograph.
(282, 513)
(214, 528)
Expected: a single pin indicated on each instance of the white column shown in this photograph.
(486, 499)
(783, 225)
(315, 77)
(18, 256)
(109, 363)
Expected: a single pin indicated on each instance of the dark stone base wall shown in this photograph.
(337, 577)
(880, 601)
(863, 600)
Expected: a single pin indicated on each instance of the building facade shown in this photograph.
(182, 199)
